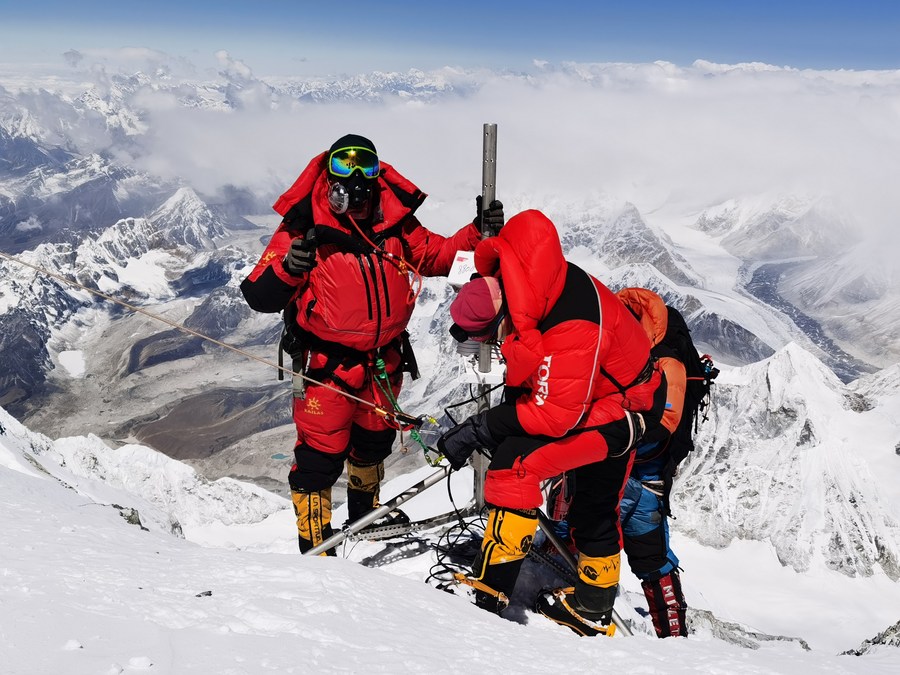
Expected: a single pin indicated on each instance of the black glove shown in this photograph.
(489, 220)
(301, 258)
(458, 444)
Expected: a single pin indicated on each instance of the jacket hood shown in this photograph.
(527, 257)
(399, 196)
(650, 310)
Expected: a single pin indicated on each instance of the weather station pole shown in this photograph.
(488, 194)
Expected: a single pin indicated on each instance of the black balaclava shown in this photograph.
(355, 195)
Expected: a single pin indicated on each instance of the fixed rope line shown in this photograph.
(405, 418)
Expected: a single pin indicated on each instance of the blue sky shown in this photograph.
(322, 38)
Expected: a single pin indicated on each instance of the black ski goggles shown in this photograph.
(344, 161)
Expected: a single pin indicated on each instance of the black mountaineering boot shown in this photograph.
(587, 607)
(560, 605)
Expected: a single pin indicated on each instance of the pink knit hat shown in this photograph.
(477, 305)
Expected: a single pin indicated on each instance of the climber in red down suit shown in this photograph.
(580, 387)
(344, 265)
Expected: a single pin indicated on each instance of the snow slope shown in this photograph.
(84, 591)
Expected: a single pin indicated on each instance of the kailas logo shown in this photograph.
(268, 257)
(543, 381)
(313, 407)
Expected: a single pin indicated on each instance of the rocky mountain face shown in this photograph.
(62, 203)
(622, 237)
(780, 461)
(32, 303)
(807, 259)
(886, 638)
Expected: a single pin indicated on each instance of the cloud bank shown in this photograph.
(655, 134)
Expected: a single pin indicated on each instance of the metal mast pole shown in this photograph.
(488, 194)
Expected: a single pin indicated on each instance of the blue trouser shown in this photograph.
(645, 530)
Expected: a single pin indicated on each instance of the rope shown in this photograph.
(383, 382)
(397, 415)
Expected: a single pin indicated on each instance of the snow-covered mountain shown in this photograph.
(889, 637)
(793, 457)
(166, 495)
(148, 260)
(779, 228)
(854, 297)
(805, 257)
(60, 181)
(621, 236)
(167, 258)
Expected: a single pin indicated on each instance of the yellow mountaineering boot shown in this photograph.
(587, 607)
(508, 536)
(363, 488)
(313, 511)
(363, 491)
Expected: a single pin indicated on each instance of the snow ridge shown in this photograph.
(779, 461)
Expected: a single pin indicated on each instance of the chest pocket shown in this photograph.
(361, 300)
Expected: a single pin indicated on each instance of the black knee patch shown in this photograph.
(647, 553)
(370, 447)
(513, 447)
(315, 470)
(595, 599)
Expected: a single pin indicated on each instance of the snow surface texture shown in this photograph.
(90, 586)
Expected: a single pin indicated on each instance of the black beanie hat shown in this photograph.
(352, 141)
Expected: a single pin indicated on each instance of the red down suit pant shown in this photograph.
(332, 427)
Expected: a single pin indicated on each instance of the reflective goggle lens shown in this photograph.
(345, 161)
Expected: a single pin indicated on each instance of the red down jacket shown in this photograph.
(357, 296)
(575, 348)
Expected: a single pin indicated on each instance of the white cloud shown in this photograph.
(32, 224)
(636, 129)
(655, 134)
(233, 68)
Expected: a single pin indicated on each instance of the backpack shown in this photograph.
(700, 375)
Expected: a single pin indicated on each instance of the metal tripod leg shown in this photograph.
(382, 510)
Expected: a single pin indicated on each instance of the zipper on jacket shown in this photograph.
(377, 299)
(362, 270)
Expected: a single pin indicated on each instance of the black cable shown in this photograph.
(452, 539)
(473, 398)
